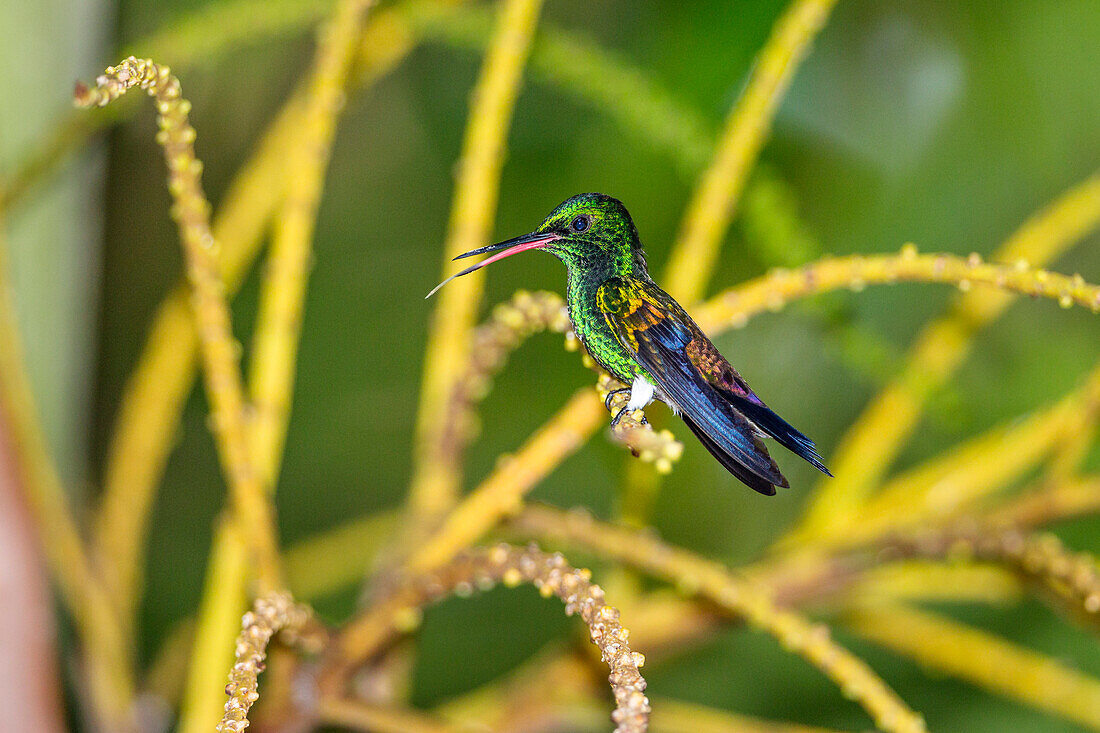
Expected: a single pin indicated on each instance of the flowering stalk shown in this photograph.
(482, 568)
(220, 352)
(747, 600)
(269, 615)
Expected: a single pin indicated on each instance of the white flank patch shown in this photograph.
(641, 393)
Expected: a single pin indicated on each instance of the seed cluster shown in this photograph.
(482, 568)
(511, 323)
(269, 615)
(1038, 556)
(657, 447)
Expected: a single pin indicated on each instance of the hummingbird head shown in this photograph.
(592, 233)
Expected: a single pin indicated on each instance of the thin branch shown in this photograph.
(153, 397)
(713, 581)
(269, 615)
(712, 205)
(1073, 578)
(982, 659)
(278, 326)
(480, 569)
(436, 479)
(873, 441)
(220, 351)
(357, 715)
(732, 308)
(510, 324)
(954, 482)
(1050, 502)
(154, 394)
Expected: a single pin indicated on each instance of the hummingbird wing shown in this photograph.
(725, 379)
(641, 320)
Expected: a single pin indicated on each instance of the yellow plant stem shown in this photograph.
(975, 470)
(106, 645)
(499, 495)
(1066, 499)
(954, 482)
(270, 615)
(436, 480)
(871, 444)
(275, 345)
(158, 387)
(925, 580)
(219, 616)
(482, 568)
(276, 339)
(674, 716)
(772, 292)
(155, 392)
(982, 659)
(219, 350)
(698, 576)
(335, 559)
(712, 205)
(356, 715)
(1072, 579)
(502, 492)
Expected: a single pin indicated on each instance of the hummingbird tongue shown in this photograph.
(502, 249)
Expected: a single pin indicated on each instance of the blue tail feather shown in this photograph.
(784, 433)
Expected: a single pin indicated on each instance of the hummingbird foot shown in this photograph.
(627, 409)
(611, 396)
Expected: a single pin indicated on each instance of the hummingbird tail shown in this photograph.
(778, 428)
(731, 464)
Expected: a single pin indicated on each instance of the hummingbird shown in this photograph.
(641, 336)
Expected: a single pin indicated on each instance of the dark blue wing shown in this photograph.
(658, 341)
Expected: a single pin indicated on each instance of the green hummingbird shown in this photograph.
(644, 338)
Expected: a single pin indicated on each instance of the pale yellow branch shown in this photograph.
(982, 659)
(956, 481)
(1065, 499)
(952, 483)
(219, 350)
(480, 569)
(154, 394)
(275, 345)
(734, 307)
(269, 615)
(436, 479)
(276, 339)
(698, 576)
(223, 599)
(356, 715)
(712, 205)
(502, 492)
(871, 444)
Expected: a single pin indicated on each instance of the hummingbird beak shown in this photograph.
(503, 249)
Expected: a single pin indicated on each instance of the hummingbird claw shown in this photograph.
(611, 396)
(622, 413)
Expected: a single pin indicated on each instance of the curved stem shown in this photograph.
(874, 440)
(713, 581)
(712, 205)
(436, 478)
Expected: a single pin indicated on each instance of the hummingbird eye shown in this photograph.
(581, 223)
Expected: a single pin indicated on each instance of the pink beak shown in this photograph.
(502, 249)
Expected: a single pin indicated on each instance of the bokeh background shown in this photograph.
(944, 124)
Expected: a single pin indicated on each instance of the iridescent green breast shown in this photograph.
(591, 327)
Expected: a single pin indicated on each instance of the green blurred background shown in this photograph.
(945, 124)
